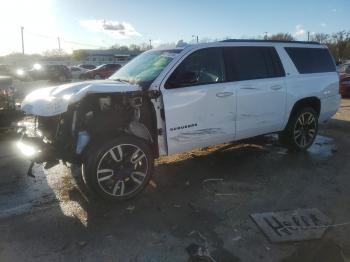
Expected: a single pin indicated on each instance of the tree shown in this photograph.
(135, 48)
(281, 37)
(55, 52)
(321, 38)
(79, 55)
(342, 42)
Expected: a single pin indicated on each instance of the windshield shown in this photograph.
(143, 69)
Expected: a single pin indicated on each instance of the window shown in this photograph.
(311, 60)
(344, 69)
(247, 63)
(145, 68)
(199, 68)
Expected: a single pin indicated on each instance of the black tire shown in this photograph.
(117, 176)
(299, 135)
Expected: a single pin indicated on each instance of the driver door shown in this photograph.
(200, 108)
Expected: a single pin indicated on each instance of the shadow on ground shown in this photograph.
(257, 176)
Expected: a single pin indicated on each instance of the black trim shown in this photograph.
(268, 41)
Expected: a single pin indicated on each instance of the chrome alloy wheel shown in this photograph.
(122, 170)
(305, 130)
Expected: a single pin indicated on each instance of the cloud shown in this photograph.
(115, 29)
(299, 31)
(323, 24)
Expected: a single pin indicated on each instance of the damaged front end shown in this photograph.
(67, 121)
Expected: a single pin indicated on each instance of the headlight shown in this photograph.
(67, 96)
(37, 66)
(27, 150)
(20, 72)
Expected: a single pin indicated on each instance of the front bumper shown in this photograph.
(32, 145)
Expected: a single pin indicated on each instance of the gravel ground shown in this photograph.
(54, 218)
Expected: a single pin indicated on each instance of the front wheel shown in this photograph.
(301, 130)
(120, 168)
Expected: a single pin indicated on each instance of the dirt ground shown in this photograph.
(54, 218)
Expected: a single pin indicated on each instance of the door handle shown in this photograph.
(276, 87)
(224, 94)
(249, 88)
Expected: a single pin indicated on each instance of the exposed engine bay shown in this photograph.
(97, 117)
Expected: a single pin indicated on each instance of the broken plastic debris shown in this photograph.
(130, 208)
(153, 184)
(199, 252)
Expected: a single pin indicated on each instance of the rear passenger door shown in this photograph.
(258, 76)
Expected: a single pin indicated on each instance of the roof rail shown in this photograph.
(270, 41)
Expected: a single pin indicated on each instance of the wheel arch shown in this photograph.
(143, 126)
(312, 101)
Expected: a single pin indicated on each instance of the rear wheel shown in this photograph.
(119, 169)
(301, 130)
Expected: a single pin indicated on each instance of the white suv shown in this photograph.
(169, 101)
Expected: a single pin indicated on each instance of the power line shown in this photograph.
(77, 43)
(61, 40)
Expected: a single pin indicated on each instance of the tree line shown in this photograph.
(338, 43)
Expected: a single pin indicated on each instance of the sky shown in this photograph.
(82, 24)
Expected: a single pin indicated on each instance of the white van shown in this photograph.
(169, 101)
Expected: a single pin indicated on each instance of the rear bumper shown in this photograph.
(329, 106)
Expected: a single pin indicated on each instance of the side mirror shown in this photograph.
(182, 79)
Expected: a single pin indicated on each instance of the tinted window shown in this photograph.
(344, 69)
(205, 65)
(246, 63)
(311, 60)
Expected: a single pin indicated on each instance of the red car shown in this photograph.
(102, 71)
(344, 71)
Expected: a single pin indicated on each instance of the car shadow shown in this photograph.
(158, 223)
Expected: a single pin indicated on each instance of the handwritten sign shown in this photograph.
(296, 225)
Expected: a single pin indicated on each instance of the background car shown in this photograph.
(59, 73)
(5, 70)
(87, 66)
(102, 71)
(77, 72)
(344, 73)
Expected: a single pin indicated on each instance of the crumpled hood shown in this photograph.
(55, 100)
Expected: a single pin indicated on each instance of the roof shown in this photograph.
(109, 52)
(271, 41)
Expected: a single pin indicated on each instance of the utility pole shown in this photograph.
(308, 35)
(196, 36)
(59, 44)
(22, 28)
(150, 44)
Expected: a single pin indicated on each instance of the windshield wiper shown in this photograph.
(122, 80)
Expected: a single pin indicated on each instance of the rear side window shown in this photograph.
(247, 63)
(311, 60)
